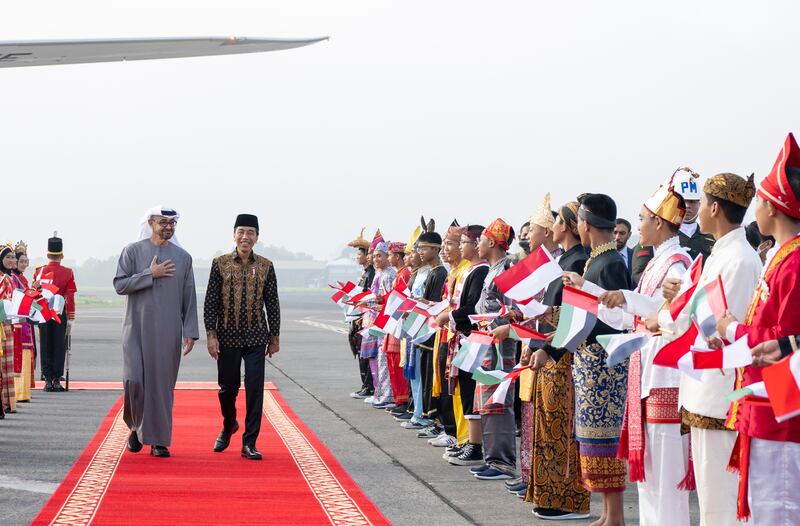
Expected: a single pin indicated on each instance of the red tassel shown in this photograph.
(636, 466)
(688, 483)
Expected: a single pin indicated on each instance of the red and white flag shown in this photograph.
(530, 276)
(731, 356)
(688, 285)
(782, 381)
(477, 318)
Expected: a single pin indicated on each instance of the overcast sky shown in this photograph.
(449, 109)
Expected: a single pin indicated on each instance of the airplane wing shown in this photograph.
(53, 52)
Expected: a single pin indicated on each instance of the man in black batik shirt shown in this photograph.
(241, 287)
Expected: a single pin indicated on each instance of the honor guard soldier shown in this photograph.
(53, 334)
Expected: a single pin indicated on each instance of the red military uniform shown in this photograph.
(64, 279)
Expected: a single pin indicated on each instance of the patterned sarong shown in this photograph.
(7, 391)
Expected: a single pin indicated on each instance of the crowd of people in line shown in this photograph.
(18, 352)
(585, 426)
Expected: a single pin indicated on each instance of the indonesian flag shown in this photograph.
(619, 347)
(485, 377)
(782, 382)
(366, 295)
(708, 305)
(690, 280)
(577, 319)
(49, 290)
(473, 349)
(438, 308)
(341, 295)
(389, 316)
(21, 302)
(477, 318)
(530, 276)
(672, 352)
(528, 336)
(756, 389)
(531, 308)
(731, 356)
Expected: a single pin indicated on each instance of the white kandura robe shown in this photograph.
(735, 261)
(159, 313)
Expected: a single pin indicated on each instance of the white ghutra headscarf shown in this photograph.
(145, 232)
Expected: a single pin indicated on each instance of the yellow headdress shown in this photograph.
(414, 236)
(21, 248)
(667, 203)
(544, 214)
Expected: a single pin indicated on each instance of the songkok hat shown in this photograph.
(454, 231)
(500, 232)
(21, 248)
(544, 214)
(685, 183)
(359, 242)
(377, 238)
(667, 204)
(775, 187)
(430, 239)
(248, 220)
(413, 240)
(397, 247)
(473, 232)
(599, 210)
(381, 247)
(145, 232)
(55, 246)
(731, 187)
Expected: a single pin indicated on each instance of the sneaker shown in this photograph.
(369, 400)
(398, 409)
(404, 417)
(432, 431)
(513, 482)
(454, 450)
(360, 395)
(521, 493)
(471, 455)
(517, 487)
(412, 424)
(558, 515)
(443, 440)
(385, 405)
(493, 474)
(478, 469)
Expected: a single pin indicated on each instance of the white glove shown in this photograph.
(70, 324)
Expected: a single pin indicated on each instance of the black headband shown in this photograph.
(595, 220)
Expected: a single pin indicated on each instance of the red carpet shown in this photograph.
(78, 385)
(298, 482)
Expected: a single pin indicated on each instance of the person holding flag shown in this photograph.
(24, 346)
(391, 344)
(768, 452)
(651, 438)
(354, 337)
(704, 403)
(8, 397)
(52, 335)
(372, 346)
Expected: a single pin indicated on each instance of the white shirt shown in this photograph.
(735, 261)
(689, 228)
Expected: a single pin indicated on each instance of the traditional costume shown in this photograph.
(412, 370)
(391, 344)
(704, 402)
(554, 479)
(379, 364)
(160, 312)
(52, 335)
(24, 348)
(354, 335)
(497, 419)
(8, 397)
(433, 289)
(651, 438)
(768, 452)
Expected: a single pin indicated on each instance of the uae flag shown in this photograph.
(485, 377)
(473, 348)
(689, 283)
(528, 336)
(577, 319)
(5, 310)
(500, 393)
(756, 389)
(731, 356)
(782, 381)
(619, 347)
(708, 305)
(530, 276)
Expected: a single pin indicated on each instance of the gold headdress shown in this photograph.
(667, 203)
(411, 242)
(21, 248)
(732, 187)
(544, 214)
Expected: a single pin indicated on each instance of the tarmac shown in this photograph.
(315, 372)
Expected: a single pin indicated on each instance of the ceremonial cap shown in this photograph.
(430, 239)
(377, 238)
(413, 240)
(685, 183)
(667, 204)
(21, 248)
(359, 242)
(474, 231)
(731, 187)
(397, 247)
(454, 231)
(569, 215)
(55, 246)
(544, 214)
(775, 187)
(246, 220)
(500, 232)
(599, 210)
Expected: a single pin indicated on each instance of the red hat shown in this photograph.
(378, 238)
(397, 246)
(500, 232)
(775, 187)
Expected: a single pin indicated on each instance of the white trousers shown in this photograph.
(774, 483)
(717, 488)
(665, 461)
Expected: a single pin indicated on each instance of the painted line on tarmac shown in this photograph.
(33, 486)
(324, 326)
(452, 505)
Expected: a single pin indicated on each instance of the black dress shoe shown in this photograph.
(251, 453)
(159, 451)
(224, 438)
(48, 386)
(134, 445)
(57, 387)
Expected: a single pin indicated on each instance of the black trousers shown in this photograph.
(53, 348)
(466, 386)
(363, 364)
(429, 408)
(446, 415)
(229, 365)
